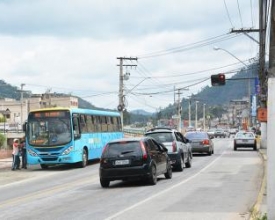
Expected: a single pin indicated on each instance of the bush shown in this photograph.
(2, 139)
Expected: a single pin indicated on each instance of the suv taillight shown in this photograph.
(205, 142)
(174, 146)
(143, 149)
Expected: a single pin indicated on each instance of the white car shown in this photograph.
(245, 139)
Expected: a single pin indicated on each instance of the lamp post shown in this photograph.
(249, 90)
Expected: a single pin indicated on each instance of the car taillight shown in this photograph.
(174, 146)
(205, 142)
(144, 153)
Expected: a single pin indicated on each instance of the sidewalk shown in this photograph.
(6, 163)
(260, 206)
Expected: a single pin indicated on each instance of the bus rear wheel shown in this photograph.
(84, 161)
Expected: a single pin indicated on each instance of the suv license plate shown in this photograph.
(122, 162)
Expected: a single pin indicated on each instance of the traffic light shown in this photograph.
(218, 79)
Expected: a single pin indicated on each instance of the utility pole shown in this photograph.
(270, 119)
(262, 72)
(121, 97)
(179, 110)
(189, 112)
(21, 104)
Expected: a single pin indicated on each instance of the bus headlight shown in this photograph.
(32, 153)
(68, 150)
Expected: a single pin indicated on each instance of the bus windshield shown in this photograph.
(49, 129)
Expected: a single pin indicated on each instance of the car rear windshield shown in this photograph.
(124, 148)
(162, 137)
(196, 135)
(244, 135)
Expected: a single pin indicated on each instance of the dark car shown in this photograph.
(141, 158)
(200, 142)
(179, 150)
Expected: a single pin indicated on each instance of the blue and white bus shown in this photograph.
(69, 135)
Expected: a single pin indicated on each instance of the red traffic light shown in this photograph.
(218, 79)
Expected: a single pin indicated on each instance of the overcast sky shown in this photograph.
(71, 46)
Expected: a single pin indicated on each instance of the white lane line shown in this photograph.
(164, 191)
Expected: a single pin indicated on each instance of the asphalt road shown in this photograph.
(222, 186)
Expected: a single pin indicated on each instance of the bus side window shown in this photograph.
(76, 127)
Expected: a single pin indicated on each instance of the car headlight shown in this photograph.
(32, 153)
(68, 150)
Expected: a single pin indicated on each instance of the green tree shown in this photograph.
(2, 139)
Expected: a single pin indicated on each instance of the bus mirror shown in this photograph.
(24, 127)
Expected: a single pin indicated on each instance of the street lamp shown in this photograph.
(249, 92)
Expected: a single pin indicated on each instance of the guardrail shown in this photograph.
(133, 132)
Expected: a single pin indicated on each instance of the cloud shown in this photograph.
(72, 46)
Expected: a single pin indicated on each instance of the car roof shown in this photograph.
(157, 129)
(129, 139)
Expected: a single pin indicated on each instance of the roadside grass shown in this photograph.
(258, 216)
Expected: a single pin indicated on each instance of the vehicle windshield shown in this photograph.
(124, 148)
(245, 135)
(196, 135)
(49, 131)
(162, 137)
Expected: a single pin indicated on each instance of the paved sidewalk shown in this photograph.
(260, 207)
(6, 163)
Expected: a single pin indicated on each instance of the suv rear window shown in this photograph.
(162, 136)
(129, 148)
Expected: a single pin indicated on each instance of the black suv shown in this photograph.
(179, 149)
(134, 158)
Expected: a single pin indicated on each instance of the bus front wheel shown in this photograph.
(44, 166)
(84, 161)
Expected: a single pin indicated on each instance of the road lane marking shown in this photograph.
(166, 190)
(46, 192)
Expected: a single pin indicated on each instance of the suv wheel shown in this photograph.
(153, 176)
(104, 183)
(188, 164)
(180, 165)
(168, 174)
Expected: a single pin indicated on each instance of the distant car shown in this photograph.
(219, 132)
(200, 142)
(245, 139)
(134, 158)
(211, 132)
(179, 150)
(233, 131)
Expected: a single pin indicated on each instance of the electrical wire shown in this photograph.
(187, 47)
(240, 13)
(228, 15)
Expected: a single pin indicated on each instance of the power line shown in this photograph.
(188, 47)
(227, 12)
(240, 13)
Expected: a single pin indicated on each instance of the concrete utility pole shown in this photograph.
(121, 97)
(179, 110)
(262, 72)
(270, 120)
(21, 104)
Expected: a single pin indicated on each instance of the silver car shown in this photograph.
(200, 142)
(179, 150)
(245, 139)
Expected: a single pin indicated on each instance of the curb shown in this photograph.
(256, 209)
